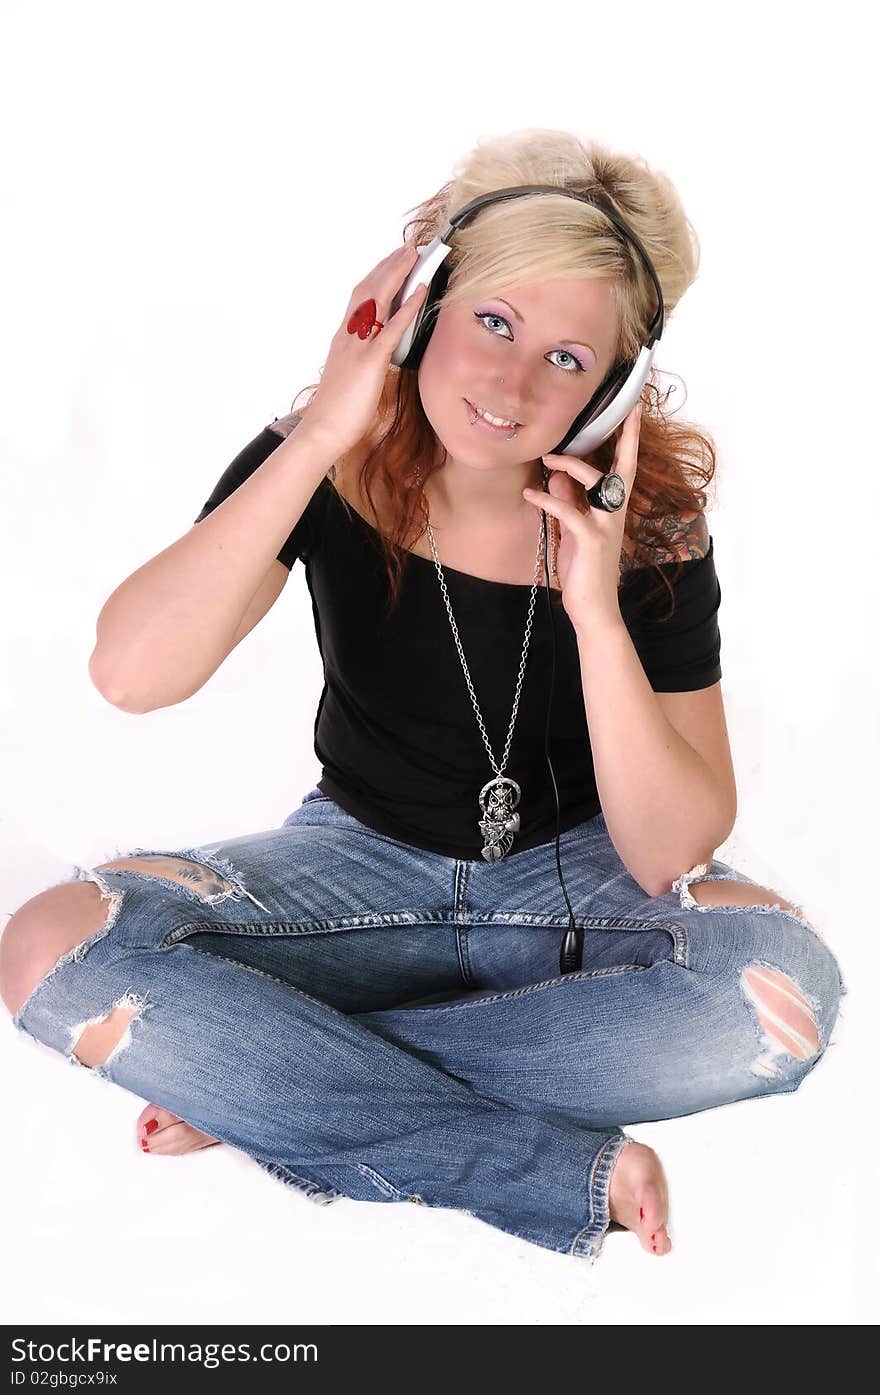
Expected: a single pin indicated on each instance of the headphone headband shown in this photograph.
(464, 215)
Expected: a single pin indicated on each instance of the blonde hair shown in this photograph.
(519, 242)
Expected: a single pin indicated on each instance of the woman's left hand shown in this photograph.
(591, 539)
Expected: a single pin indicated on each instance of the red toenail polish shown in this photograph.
(151, 1125)
(145, 1145)
(654, 1236)
(641, 1214)
(654, 1248)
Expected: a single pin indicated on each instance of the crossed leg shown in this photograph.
(782, 1009)
(638, 1182)
(779, 1004)
(158, 1130)
(54, 922)
(100, 1039)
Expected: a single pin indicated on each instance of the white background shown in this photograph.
(191, 192)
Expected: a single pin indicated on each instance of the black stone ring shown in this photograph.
(608, 493)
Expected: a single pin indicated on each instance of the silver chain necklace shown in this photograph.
(499, 797)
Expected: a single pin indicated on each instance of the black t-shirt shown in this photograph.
(395, 731)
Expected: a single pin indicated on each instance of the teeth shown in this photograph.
(494, 421)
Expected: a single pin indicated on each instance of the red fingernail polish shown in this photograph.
(151, 1125)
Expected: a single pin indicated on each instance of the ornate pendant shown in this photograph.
(498, 799)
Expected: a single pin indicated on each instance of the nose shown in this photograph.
(509, 401)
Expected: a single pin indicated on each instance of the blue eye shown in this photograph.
(490, 315)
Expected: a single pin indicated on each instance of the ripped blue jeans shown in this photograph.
(369, 1020)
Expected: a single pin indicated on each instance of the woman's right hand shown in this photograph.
(344, 405)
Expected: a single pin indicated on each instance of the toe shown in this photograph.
(658, 1241)
(653, 1217)
(162, 1118)
(178, 1138)
(652, 1212)
(160, 1131)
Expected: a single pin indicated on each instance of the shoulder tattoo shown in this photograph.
(686, 537)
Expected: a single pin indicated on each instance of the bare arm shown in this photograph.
(166, 629)
(666, 807)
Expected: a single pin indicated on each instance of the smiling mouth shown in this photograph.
(500, 422)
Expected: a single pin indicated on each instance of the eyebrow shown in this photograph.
(583, 342)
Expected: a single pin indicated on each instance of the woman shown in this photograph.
(369, 1000)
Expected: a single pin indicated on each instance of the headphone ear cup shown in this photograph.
(599, 402)
(427, 317)
(608, 390)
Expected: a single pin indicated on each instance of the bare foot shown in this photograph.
(169, 1134)
(638, 1197)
